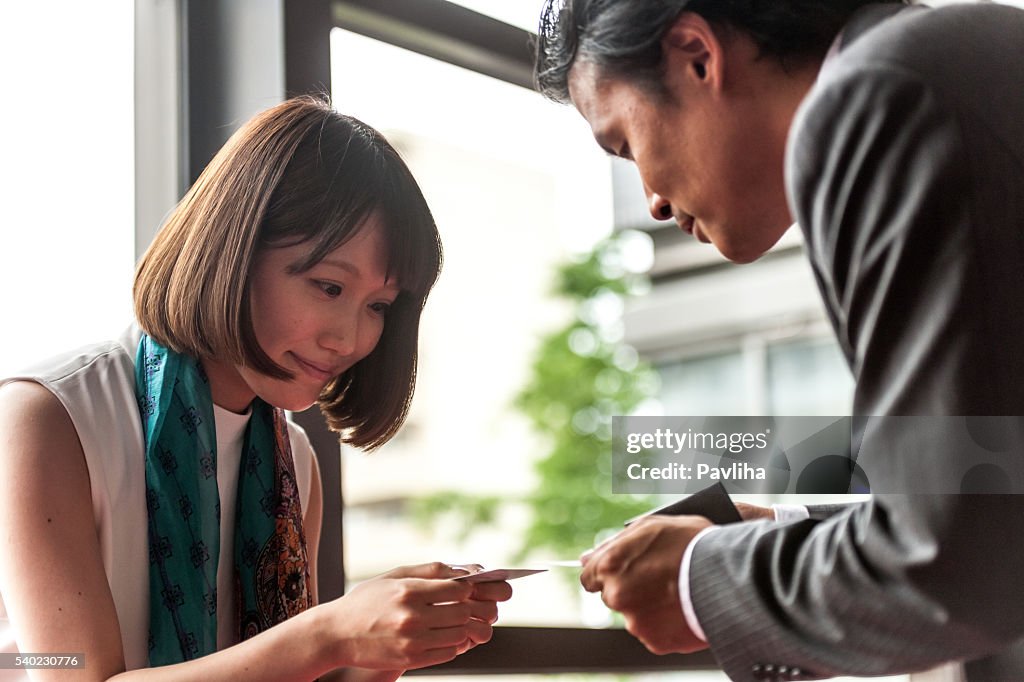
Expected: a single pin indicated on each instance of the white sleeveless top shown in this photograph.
(96, 385)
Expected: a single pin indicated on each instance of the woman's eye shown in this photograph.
(330, 288)
(381, 308)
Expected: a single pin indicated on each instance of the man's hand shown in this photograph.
(752, 512)
(637, 573)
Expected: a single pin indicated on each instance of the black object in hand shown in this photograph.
(713, 503)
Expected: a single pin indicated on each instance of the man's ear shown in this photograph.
(693, 51)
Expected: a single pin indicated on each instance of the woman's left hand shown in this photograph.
(484, 607)
(483, 601)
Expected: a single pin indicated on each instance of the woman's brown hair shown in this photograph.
(299, 172)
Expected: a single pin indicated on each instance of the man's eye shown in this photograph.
(330, 288)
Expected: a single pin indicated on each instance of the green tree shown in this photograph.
(582, 376)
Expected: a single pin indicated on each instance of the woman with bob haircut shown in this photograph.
(162, 515)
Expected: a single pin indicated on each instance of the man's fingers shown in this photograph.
(591, 553)
(595, 563)
(611, 595)
(591, 579)
(618, 540)
(752, 512)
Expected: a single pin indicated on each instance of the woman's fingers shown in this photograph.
(466, 569)
(496, 591)
(417, 591)
(434, 657)
(479, 631)
(433, 570)
(486, 611)
(440, 638)
(415, 616)
(450, 615)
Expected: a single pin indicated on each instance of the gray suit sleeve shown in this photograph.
(881, 181)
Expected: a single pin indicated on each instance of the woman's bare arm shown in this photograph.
(57, 596)
(51, 570)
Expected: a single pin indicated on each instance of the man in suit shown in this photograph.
(894, 136)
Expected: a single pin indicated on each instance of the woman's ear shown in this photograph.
(692, 48)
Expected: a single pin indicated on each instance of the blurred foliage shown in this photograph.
(582, 375)
(472, 511)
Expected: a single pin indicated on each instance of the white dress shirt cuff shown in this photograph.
(684, 586)
(790, 512)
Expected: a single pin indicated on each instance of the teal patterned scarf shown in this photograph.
(271, 573)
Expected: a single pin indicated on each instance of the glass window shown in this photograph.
(709, 385)
(67, 245)
(518, 13)
(516, 185)
(808, 378)
(805, 376)
(801, 377)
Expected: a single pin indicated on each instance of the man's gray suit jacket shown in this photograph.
(905, 171)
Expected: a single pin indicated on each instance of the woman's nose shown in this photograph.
(341, 334)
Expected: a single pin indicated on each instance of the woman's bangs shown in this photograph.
(414, 248)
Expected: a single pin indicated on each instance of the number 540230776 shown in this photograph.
(11, 660)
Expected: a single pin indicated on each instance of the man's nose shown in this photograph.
(659, 206)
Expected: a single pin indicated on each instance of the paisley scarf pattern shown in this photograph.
(271, 572)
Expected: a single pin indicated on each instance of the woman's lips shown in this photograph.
(314, 371)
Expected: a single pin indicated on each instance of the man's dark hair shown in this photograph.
(623, 37)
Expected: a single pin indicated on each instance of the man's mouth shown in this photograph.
(686, 223)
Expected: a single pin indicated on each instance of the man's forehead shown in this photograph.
(588, 88)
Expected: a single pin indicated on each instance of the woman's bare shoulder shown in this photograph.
(30, 410)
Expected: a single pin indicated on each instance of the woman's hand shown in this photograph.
(482, 602)
(413, 617)
(484, 608)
